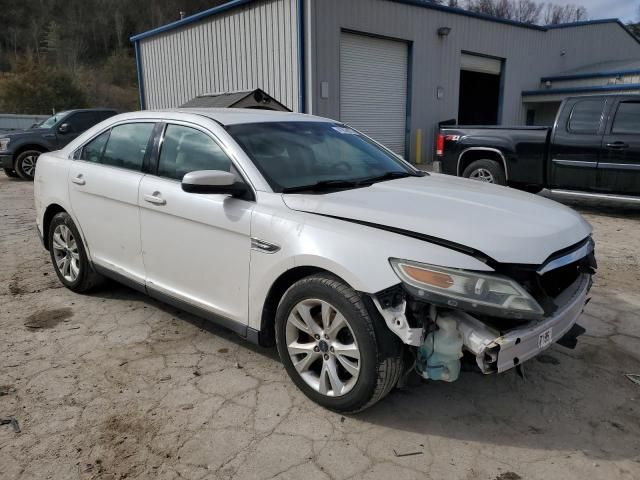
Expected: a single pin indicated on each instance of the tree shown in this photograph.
(555, 14)
(36, 88)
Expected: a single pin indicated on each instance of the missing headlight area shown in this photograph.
(440, 335)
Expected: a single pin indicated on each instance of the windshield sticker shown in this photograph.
(345, 130)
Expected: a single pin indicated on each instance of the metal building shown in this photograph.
(394, 69)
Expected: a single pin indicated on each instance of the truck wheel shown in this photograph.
(485, 170)
(26, 164)
(332, 348)
(9, 172)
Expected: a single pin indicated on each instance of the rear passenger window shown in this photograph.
(81, 121)
(186, 149)
(127, 145)
(627, 119)
(586, 116)
(92, 151)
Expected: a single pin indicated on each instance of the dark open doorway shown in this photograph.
(479, 101)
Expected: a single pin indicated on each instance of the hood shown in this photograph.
(508, 225)
(19, 133)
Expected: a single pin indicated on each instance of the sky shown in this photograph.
(625, 10)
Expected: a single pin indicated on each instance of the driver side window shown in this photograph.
(186, 150)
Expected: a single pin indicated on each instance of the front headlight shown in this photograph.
(4, 143)
(473, 291)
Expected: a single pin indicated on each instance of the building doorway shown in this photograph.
(480, 90)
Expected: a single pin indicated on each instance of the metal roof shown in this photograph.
(230, 99)
(598, 70)
(418, 3)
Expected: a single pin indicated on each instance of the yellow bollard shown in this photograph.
(419, 146)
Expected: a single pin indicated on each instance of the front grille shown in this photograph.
(554, 282)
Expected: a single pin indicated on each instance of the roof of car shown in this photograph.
(233, 116)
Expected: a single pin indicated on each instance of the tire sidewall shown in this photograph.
(365, 385)
(64, 218)
(492, 166)
(18, 164)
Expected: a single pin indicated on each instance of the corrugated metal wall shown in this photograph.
(528, 53)
(254, 46)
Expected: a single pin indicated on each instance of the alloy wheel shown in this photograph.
(29, 165)
(322, 347)
(482, 175)
(65, 253)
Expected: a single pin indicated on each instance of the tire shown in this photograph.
(85, 278)
(26, 164)
(380, 351)
(11, 173)
(486, 170)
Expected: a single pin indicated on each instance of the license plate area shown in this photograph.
(545, 338)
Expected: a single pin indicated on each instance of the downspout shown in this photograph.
(136, 47)
(302, 107)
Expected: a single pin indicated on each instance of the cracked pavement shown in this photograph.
(116, 385)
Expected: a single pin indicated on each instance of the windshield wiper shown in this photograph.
(324, 185)
(389, 176)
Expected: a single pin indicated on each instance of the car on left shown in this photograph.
(19, 150)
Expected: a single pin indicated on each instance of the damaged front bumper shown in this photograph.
(498, 352)
(495, 351)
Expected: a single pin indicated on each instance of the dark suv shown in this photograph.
(19, 150)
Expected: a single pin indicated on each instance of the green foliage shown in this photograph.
(39, 89)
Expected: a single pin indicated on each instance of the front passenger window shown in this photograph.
(186, 150)
(92, 151)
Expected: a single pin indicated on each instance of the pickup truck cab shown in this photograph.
(19, 150)
(593, 146)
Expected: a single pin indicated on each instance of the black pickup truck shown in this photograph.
(19, 149)
(593, 146)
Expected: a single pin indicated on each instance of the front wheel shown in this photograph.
(485, 170)
(26, 164)
(332, 348)
(68, 255)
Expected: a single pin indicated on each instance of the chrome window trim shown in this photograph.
(619, 166)
(487, 149)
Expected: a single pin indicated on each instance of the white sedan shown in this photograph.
(300, 231)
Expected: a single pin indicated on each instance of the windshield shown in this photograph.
(292, 155)
(51, 121)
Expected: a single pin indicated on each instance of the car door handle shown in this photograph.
(617, 145)
(155, 199)
(78, 180)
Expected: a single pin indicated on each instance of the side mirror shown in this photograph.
(213, 181)
(64, 128)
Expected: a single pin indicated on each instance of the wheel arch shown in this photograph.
(471, 154)
(50, 212)
(275, 294)
(30, 146)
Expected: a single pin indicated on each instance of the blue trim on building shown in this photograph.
(302, 98)
(418, 3)
(466, 13)
(190, 19)
(594, 22)
(602, 88)
(136, 47)
(582, 76)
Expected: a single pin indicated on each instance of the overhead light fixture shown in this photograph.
(444, 31)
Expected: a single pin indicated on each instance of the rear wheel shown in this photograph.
(69, 256)
(9, 172)
(485, 170)
(331, 346)
(26, 164)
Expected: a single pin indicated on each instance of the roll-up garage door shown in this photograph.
(477, 63)
(373, 88)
